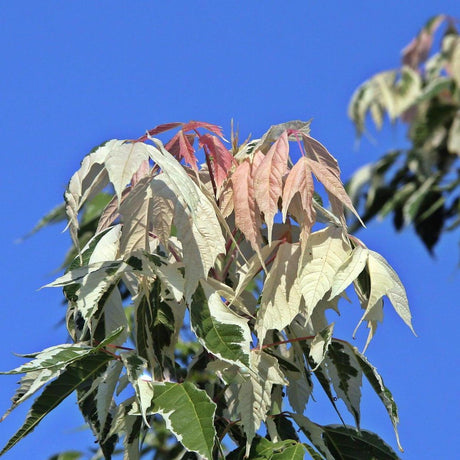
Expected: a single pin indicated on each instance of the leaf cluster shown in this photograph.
(419, 185)
(198, 299)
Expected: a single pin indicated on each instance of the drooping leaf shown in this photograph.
(346, 376)
(247, 214)
(254, 395)
(349, 270)
(385, 282)
(300, 181)
(349, 444)
(380, 389)
(155, 326)
(200, 234)
(136, 212)
(135, 367)
(324, 254)
(268, 180)
(122, 163)
(221, 159)
(320, 344)
(326, 170)
(74, 375)
(314, 433)
(90, 179)
(281, 296)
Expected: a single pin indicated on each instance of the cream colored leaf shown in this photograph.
(385, 282)
(107, 246)
(136, 212)
(89, 180)
(281, 296)
(320, 344)
(123, 161)
(332, 184)
(178, 180)
(453, 139)
(324, 254)
(300, 181)
(163, 200)
(200, 234)
(250, 269)
(268, 180)
(349, 270)
(254, 395)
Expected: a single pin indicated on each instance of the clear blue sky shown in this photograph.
(78, 73)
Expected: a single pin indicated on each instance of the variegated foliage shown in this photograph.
(205, 290)
(419, 185)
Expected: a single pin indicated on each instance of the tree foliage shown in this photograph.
(198, 300)
(419, 185)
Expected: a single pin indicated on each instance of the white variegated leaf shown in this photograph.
(349, 270)
(122, 163)
(314, 433)
(220, 330)
(136, 213)
(385, 282)
(346, 376)
(320, 344)
(90, 179)
(135, 368)
(325, 253)
(254, 395)
(107, 246)
(281, 296)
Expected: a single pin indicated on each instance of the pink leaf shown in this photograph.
(192, 125)
(326, 170)
(162, 128)
(268, 180)
(417, 51)
(300, 181)
(247, 215)
(181, 146)
(221, 158)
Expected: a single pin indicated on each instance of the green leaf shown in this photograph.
(57, 214)
(346, 376)
(60, 356)
(75, 374)
(347, 443)
(220, 330)
(314, 433)
(381, 390)
(154, 325)
(68, 455)
(189, 414)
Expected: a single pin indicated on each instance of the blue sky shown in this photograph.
(77, 73)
